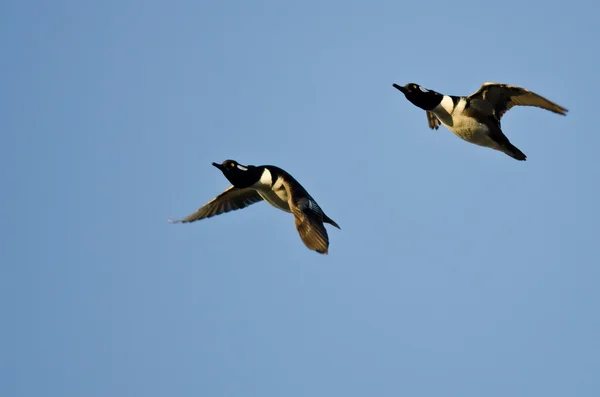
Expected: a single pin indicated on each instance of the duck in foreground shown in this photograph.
(476, 118)
(251, 184)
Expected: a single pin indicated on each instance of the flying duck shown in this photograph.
(251, 184)
(476, 118)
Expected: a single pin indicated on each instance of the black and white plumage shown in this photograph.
(476, 118)
(251, 184)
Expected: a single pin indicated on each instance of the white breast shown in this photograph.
(467, 128)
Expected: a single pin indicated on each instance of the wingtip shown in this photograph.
(173, 220)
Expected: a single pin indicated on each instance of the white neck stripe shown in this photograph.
(447, 104)
(266, 179)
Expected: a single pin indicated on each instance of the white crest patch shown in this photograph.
(241, 167)
(423, 89)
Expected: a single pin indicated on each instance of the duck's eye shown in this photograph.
(414, 86)
(232, 165)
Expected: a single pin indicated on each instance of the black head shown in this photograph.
(419, 96)
(240, 176)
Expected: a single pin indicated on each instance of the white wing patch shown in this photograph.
(241, 167)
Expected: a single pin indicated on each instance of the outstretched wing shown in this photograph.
(433, 121)
(308, 217)
(309, 223)
(230, 200)
(503, 97)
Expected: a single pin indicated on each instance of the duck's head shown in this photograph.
(420, 96)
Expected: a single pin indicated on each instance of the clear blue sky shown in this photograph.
(458, 270)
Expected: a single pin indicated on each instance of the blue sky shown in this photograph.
(458, 270)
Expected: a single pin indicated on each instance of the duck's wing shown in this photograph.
(230, 200)
(503, 97)
(308, 217)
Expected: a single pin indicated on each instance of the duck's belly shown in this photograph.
(277, 200)
(474, 132)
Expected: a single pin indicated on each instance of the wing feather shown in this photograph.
(311, 229)
(308, 217)
(231, 199)
(503, 97)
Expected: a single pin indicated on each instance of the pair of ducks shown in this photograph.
(475, 118)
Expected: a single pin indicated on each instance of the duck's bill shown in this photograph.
(399, 87)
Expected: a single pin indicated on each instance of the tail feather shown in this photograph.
(327, 219)
(514, 152)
